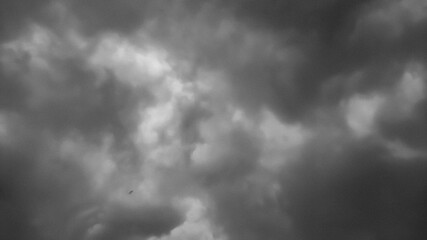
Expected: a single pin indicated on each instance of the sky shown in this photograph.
(213, 120)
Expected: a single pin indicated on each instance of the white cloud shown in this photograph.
(281, 141)
(361, 112)
(403, 98)
(410, 89)
(196, 225)
(134, 64)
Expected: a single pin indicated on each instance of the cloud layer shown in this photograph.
(213, 120)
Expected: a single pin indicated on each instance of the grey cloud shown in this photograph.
(320, 41)
(125, 222)
(42, 192)
(12, 93)
(359, 193)
(102, 16)
(38, 201)
(362, 192)
(73, 99)
(296, 58)
(226, 159)
(411, 130)
(124, 17)
(44, 198)
(336, 190)
(16, 14)
(243, 216)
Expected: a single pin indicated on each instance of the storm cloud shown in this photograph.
(167, 120)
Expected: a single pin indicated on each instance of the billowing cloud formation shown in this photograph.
(167, 120)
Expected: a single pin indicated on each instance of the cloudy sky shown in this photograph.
(213, 120)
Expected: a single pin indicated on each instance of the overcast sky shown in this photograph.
(213, 120)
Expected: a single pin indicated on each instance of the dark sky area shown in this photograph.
(213, 120)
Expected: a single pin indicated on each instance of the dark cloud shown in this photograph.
(39, 196)
(114, 16)
(123, 222)
(16, 14)
(321, 31)
(244, 217)
(73, 98)
(50, 101)
(12, 92)
(80, 128)
(288, 51)
(124, 17)
(361, 193)
(226, 159)
(48, 199)
(410, 130)
(357, 192)
(326, 19)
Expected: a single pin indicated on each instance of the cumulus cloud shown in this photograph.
(213, 120)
